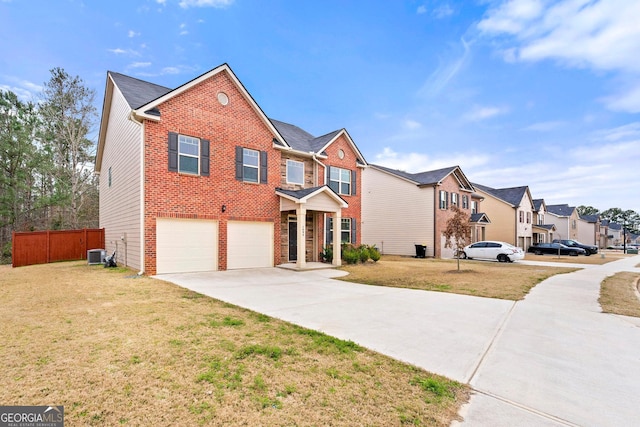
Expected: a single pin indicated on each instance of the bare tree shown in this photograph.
(69, 116)
(458, 231)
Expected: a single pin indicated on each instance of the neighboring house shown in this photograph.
(566, 219)
(614, 234)
(511, 213)
(542, 232)
(589, 230)
(401, 210)
(198, 178)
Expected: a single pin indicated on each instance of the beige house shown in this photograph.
(401, 210)
(590, 231)
(542, 232)
(565, 218)
(511, 213)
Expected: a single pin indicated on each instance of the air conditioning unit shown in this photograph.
(96, 256)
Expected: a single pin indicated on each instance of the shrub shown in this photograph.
(374, 253)
(327, 254)
(363, 253)
(350, 255)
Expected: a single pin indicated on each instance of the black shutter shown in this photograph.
(173, 152)
(239, 163)
(328, 224)
(353, 183)
(263, 167)
(204, 157)
(353, 231)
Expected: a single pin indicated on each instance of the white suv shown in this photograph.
(503, 252)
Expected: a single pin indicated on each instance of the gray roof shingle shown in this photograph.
(137, 92)
(422, 178)
(560, 210)
(512, 195)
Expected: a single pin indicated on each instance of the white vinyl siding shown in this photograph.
(120, 203)
(396, 214)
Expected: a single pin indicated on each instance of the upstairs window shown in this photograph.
(454, 199)
(251, 165)
(521, 215)
(188, 154)
(465, 202)
(444, 199)
(474, 207)
(295, 172)
(342, 181)
(528, 217)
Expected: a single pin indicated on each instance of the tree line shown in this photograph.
(46, 156)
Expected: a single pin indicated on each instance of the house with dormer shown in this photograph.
(198, 178)
(511, 212)
(401, 210)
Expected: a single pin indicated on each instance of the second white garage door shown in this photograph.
(249, 244)
(186, 245)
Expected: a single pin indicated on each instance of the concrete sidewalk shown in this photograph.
(552, 359)
(560, 361)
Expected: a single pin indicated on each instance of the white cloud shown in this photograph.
(545, 126)
(627, 101)
(420, 162)
(206, 3)
(24, 89)
(139, 64)
(631, 130)
(119, 51)
(602, 35)
(23, 94)
(412, 124)
(162, 2)
(421, 10)
(441, 77)
(442, 11)
(132, 33)
(479, 113)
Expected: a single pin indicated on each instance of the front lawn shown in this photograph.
(619, 294)
(511, 281)
(117, 349)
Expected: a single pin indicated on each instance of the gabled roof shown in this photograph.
(615, 226)
(512, 196)
(433, 177)
(137, 92)
(479, 218)
(560, 210)
(550, 227)
(302, 196)
(590, 218)
(538, 204)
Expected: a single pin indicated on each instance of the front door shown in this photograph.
(293, 240)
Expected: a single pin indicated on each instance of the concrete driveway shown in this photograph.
(552, 359)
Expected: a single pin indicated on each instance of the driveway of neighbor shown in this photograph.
(552, 359)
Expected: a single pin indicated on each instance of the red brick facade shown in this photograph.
(451, 186)
(196, 112)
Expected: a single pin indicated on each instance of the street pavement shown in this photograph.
(552, 359)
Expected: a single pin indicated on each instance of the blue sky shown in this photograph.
(521, 92)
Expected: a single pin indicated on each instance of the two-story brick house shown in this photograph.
(401, 209)
(198, 178)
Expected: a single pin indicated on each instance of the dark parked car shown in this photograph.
(589, 249)
(553, 248)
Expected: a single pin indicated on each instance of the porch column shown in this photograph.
(301, 219)
(337, 225)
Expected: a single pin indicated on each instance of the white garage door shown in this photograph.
(186, 245)
(249, 244)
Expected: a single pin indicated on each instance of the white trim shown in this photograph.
(323, 189)
(353, 145)
(142, 199)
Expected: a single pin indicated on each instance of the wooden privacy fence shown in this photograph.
(41, 247)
